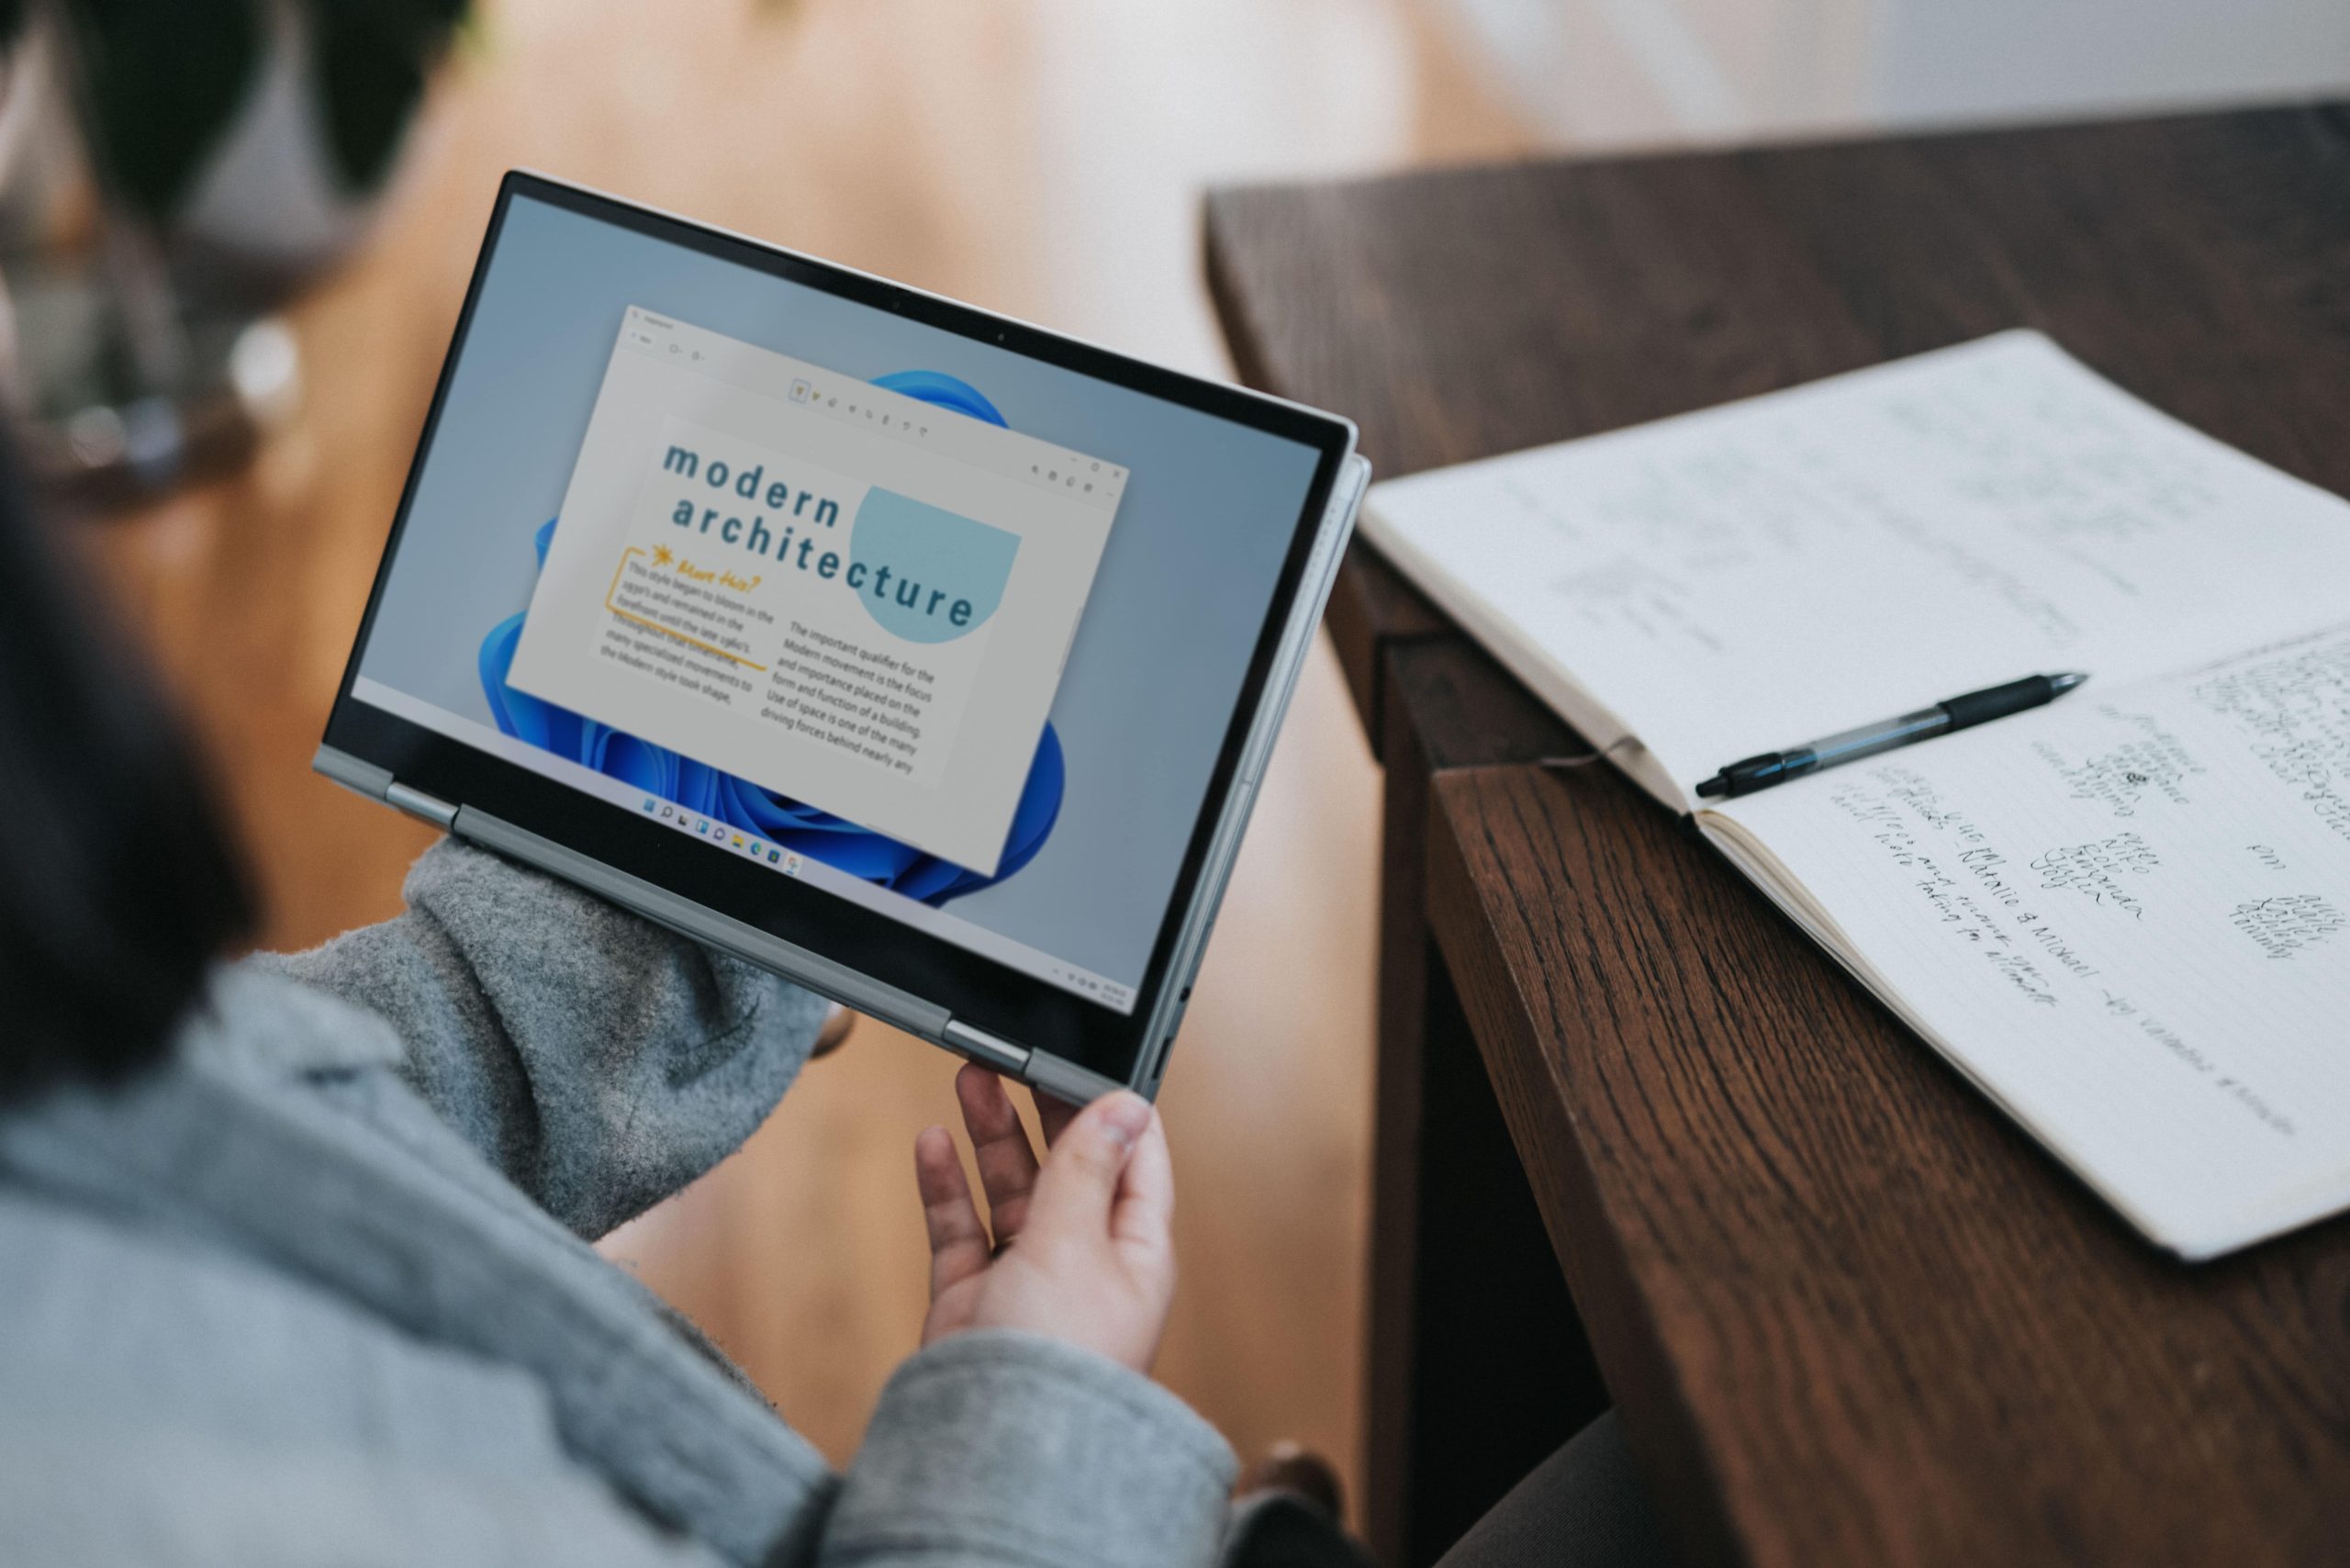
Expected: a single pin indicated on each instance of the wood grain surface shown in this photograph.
(1849, 1313)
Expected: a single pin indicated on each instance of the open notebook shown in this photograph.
(2126, 915)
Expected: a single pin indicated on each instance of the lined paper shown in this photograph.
(2128, 917)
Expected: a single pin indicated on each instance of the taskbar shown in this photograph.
(773, 856)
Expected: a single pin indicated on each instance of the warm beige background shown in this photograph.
(1042, 157)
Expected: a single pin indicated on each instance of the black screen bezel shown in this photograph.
(975, 989)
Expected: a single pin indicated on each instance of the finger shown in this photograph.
(999, 1145)
(1080, 1178)
(1055, 1114)
(959, 1242)
(834, 1033)
(1143, 1215)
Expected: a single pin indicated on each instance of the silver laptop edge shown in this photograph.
(853, 989)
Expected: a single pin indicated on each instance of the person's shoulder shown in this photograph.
(170, 1403)
(99, 1314)
(95, 1309)
(108, 1325)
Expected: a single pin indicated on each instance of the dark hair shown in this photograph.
(117, 884)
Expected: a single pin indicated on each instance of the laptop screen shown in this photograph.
(944, 630)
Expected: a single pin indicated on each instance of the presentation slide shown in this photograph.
(844, 594)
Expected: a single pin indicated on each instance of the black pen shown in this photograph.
(1953, 714)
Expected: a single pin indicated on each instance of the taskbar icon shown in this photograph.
(717, 833)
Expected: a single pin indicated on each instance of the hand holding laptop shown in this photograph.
(1082, 1250)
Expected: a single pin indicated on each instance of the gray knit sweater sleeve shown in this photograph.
(597, 1061)
(1007, 1450)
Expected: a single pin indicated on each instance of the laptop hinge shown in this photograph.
(983, 1047)
(416, 803)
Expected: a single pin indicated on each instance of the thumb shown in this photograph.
(1080, 1182)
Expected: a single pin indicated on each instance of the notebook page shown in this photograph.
(2128, 917)
(1752, 577)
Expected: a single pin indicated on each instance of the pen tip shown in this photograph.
(2063, 683)
(1715, 786)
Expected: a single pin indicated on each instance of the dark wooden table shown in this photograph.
(1848, 1312)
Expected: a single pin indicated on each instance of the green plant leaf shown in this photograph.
(161, 81)
(373, 57)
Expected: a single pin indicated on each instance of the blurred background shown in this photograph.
(234, 236)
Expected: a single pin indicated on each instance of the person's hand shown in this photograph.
(1082, 1250)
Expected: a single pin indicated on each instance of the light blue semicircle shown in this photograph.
(934, 558)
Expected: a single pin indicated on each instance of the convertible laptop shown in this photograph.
(927, 658)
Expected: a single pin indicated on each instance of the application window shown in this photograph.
(850, 596)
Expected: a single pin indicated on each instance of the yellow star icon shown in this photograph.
(661, 556)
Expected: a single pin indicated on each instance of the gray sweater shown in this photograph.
(318, 1291)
